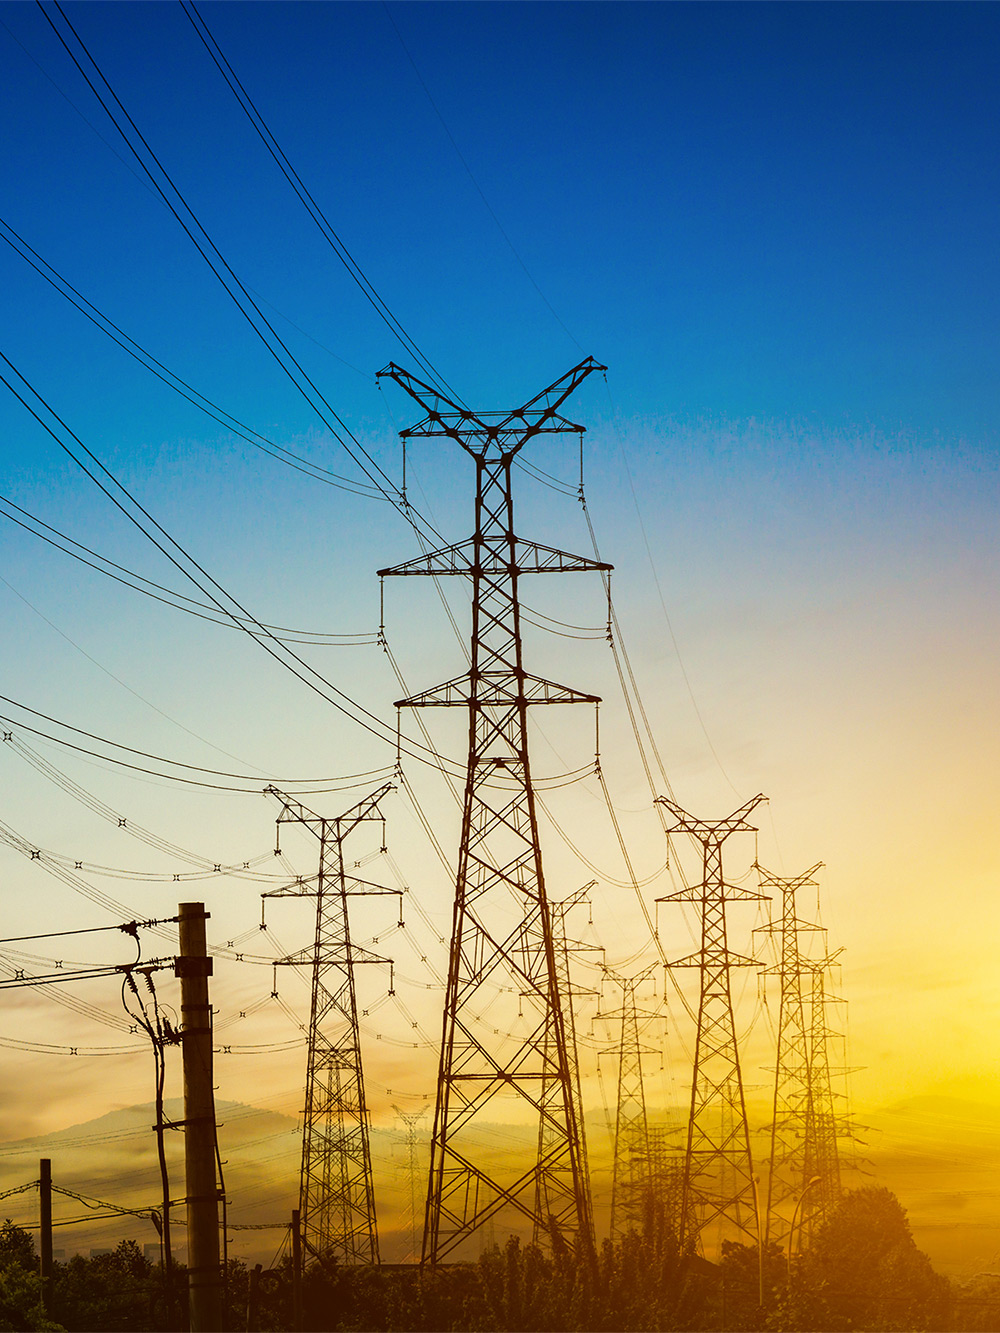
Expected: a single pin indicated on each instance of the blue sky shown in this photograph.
(757, 210)
(775, 224)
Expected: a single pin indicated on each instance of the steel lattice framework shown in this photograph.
(630, 1177)
(547, 1132)
(718, 1166)
(823, 1165)
(666, 1181)
(793, 1112)
(412, 1119)
(500, 859)
(336, 1192)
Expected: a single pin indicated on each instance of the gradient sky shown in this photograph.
(776, 225)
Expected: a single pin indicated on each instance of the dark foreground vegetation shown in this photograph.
(861, 1271)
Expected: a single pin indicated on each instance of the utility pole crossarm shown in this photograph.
(356, 956)
(794, 882)
(731, 893)
(731, 959)
(783, 885)
(431, 399)
(537, 414)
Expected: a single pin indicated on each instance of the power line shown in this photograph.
(239, 294)
(312, 638)
(479, 190)
(129, 927)
(145, 754)
(303, 193)
(168, 377)
(279, 651)
(659, 591)
(76, 974)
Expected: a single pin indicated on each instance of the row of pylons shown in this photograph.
(509, 948)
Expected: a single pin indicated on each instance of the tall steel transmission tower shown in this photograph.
(824, 1162)
(630, 1175)
(547, 1133)
(666, 1181)
(793, 1113)
(336, 1191)
(718, 1180)
(412, 1119)
(499, 860)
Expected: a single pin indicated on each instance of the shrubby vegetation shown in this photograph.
(861, 1271)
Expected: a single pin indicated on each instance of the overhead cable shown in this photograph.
(186, 563)
(311, 638)
(200, 238)
(461, 157)
(252, 780)
(305, 196)
(172, 380)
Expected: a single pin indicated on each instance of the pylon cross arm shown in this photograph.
(501, 692)
(731, 960)
(527, 557)
(716, 830)
(508, 430)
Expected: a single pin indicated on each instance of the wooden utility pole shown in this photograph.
(45, 1229)
(194, 967)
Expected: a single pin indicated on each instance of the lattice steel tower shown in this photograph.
(824, 1162)
(718, 1165)
(547, 1132)
(336, 1193)
(412, 1119)
(793, 1111)
(499, 862)
(630, 1176)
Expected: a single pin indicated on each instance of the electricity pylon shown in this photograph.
(666, 1181)
(823, 1166)
(630, 1172)
(793, 1110)
(500, 858)
(719, 1181)
(411, 1119)
(547, 1134)
(336, 1192)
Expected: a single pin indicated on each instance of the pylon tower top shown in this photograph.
(478, 432)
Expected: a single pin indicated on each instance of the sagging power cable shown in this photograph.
(305, 196)
(172, 196)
